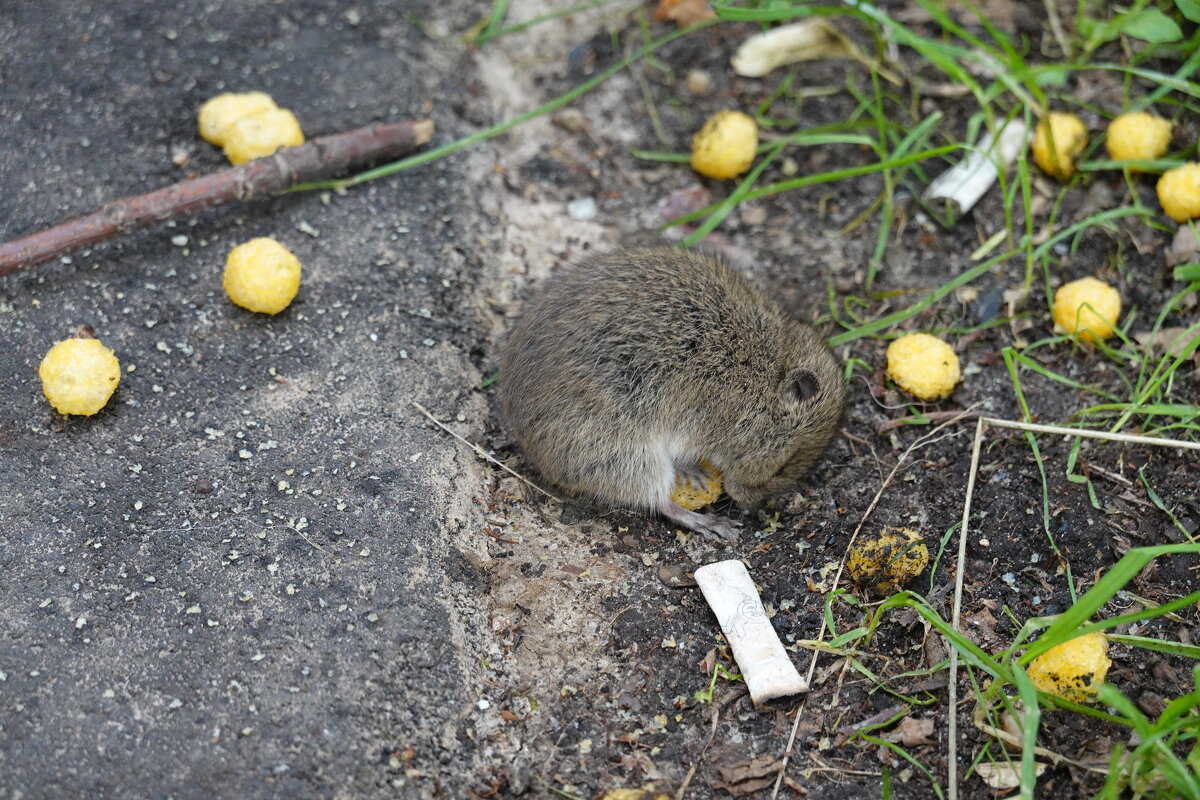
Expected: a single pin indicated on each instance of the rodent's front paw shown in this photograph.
(698, 475)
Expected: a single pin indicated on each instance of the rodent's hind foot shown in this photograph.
(719, 530)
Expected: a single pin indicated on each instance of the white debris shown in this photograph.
(967, 181)
(583, 208)
(809, 39)
(765, 665)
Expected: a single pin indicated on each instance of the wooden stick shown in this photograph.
(268, 176)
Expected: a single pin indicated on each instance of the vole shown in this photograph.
(636, 364)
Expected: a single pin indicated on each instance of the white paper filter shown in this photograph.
(765, 665)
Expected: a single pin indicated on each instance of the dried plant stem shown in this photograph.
(1091, 434)
(952, 730)
(479, 451)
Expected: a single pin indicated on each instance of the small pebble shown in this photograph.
(583, 209)
(753, 216)
(570, 120)
(699, 82)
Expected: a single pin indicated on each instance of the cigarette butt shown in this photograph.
(765, 665)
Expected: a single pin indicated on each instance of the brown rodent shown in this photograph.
(635, 364)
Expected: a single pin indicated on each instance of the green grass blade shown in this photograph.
(1095, 598)
(495, 130)
(1031, 718)
(823, 177)
(488, 33)
(1157, 645)
(925, 302)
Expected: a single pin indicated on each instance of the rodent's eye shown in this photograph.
(802, 385)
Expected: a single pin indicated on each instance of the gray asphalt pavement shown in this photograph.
(236, 580)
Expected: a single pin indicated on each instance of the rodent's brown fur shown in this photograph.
(637, 363)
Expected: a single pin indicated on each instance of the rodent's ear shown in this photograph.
(800, 385)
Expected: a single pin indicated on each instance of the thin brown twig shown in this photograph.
(479, 451)
(1112, 476)
(932, 416)
(1056, 27)
(268, 176)
(1015, 742)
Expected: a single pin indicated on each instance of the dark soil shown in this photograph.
(647, 715)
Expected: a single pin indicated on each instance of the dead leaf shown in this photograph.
(683, 201)
(985, 623)
(683, 12)
(757, 767)
(1173, 341)
(911, 731)
(935, 650)
(1096, 751)
(748, 777)
(650, 770)
(1185, 247)
(1003, 775)
(1152, 704)
(676, 576)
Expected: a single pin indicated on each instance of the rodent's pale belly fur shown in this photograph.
(642, 475)
(655, 486)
